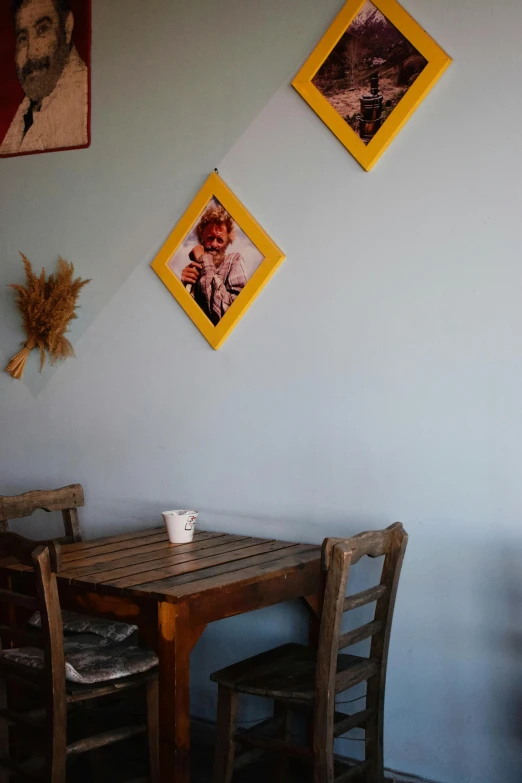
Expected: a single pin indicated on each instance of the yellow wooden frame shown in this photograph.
(273, 257)
(368, 154)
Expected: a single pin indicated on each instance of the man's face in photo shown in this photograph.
(215, 240)
(42, 46)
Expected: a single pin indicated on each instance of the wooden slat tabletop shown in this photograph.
(145, 564)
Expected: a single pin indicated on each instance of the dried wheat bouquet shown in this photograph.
(47, 307)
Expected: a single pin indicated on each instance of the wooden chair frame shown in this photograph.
(50, 722)
(331, 678)
(67, 500)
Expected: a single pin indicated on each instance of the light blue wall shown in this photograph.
(376, 378)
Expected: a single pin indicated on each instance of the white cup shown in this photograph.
(180, 525)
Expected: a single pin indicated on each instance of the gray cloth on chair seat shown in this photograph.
(89, 660)
(110, 630)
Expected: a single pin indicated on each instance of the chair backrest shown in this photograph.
(67, 500)
(339, 554)
(44, 558)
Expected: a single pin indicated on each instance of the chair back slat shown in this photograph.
(66, 499)
(365, 597)
(360, 634)
(17, 599)
(17, 548)
(354, 675)
(18, 506)
(344, 723)
(21, 637)
(21, 675)
(374, 543)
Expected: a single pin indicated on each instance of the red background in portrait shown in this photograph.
(11, 94)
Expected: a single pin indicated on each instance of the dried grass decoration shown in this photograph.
(47, 307)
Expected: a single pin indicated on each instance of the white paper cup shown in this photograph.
(180, 525)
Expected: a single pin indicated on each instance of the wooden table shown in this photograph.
(171, 591)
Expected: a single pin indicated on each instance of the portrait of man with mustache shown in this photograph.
(54, 78)
(214, 278)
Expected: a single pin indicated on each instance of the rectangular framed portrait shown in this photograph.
(217, 260)
(45, 80)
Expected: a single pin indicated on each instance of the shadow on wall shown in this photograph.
(506, 632)
(235, 638)
(40, 525)
(479, 684)
(454, 696)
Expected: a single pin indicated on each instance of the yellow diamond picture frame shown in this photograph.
(367, 154)
(264, 258)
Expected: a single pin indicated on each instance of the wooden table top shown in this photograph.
(146, 565)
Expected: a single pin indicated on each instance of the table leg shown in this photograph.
(314, 604)
(174, 645)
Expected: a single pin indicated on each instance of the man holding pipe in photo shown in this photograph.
(214, 278)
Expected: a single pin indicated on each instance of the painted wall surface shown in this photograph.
(376, 378)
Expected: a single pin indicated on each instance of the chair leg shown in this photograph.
(153, 728)
(57, 736)
(86, 716)
(282, 713)
(323, 748)
(374, 750)
(374, 732)
(4, 732)
(58, 761)
(226, 727)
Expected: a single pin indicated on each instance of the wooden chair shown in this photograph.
(302, 678)
(23, 662)
(67, 500)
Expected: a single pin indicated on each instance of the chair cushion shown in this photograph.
(110, 630)
(89, 660)
(286, 672)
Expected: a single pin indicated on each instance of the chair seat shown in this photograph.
(110, 630)
(89, 660)
(286, 672)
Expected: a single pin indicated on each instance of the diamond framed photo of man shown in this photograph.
(368, 74)
(217, 260)
(45, 75)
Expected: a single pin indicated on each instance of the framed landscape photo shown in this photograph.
(368, 74)
(45, 84)
(216, 260)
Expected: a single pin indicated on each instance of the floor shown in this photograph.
(128, 763)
